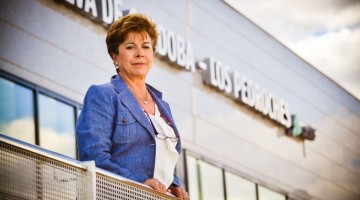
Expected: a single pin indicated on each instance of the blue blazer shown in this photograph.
(114, 131)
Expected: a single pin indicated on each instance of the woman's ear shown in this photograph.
(114, 58)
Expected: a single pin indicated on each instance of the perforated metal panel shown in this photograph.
(109, 188)
(29, 172)
(26, 175)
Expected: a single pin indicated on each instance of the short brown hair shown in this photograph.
(138, 23)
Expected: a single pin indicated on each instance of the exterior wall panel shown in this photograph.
(47, 43)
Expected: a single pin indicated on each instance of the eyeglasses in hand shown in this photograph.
(162, 136)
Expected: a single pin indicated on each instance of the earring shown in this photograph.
(116, 67)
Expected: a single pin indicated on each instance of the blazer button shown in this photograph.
(123, 120)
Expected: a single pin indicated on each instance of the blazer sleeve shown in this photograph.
(176, 182)
(94, 130)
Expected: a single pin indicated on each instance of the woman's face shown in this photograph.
(135, 55)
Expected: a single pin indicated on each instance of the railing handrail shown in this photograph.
(87, 166)
(129, 181)
(40, 151)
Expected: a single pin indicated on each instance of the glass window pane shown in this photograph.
(192, 172)
(17, 111)
(238, 188)
(78, 112)
(211, 182)
(266, 194)
(57, 126)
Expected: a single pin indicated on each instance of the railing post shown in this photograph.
(90, 180)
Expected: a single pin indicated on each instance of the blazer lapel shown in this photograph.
(130, 102)
(165, 110)
(163, 107)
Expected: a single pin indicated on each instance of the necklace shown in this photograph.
(139, 99)
(143, 101)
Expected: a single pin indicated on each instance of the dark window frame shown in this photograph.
(36, 90)
(225, 169)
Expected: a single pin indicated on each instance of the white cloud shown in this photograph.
(336, 54)
(23, 129)
(323, 32)
(63, 143)
(292, 19)
(344, 17)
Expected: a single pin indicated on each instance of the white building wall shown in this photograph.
(57, 48)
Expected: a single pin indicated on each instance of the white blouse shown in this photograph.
(166, 154)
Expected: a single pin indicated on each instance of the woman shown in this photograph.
(125, 126)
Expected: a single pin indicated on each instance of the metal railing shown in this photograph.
(30, 172)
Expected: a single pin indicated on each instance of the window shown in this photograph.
(192, 173)
(266, 194)
(239, 188)
(208, 182)
(17, 111)
(37, 116)
(211, 181)
(57, 126)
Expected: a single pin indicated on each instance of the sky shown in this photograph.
(325, 33)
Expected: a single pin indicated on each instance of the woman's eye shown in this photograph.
(129, 47)
(146, 47)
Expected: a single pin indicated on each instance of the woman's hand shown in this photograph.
(178, 192)
(157, 185)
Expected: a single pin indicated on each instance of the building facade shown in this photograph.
(231, 86)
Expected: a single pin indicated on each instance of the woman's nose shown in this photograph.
(139, 52)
